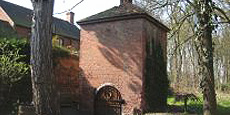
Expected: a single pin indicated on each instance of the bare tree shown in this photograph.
(203, 16)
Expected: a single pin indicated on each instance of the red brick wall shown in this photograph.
(76, 44)
(112, 52)
(66, 72)
(23, 32)
(70, 42)
(67, 42)
(115, 52)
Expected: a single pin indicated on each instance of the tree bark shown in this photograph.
(205, 58)
(43, 82)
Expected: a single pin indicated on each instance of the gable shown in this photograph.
(5, 17)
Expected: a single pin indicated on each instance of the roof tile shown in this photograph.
(124, 11)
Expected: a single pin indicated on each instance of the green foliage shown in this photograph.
(156, 81)
(223, 105)
(15, 73)
(59, 51)
(11, 68)
(15, 79)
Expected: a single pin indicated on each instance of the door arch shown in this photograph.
(108, 101)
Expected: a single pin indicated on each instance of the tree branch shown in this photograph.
(223, 13)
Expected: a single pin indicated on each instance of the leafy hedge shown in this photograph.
(15, 79)
(15, 83)
(13, 66)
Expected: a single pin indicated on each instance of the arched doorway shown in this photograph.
(108, 101)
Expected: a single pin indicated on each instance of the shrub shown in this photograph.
(11, 68)
(14, 74)
(15, 79)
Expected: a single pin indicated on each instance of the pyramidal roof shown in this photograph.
(122, 12)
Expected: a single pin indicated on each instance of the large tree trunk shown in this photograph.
(205, 55)
(43, 81)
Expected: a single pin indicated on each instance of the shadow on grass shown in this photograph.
(191, 109)
(197, 109)
(223, 110)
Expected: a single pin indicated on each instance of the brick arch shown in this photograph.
(104, 85)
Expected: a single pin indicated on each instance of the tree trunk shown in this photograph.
(205, 61)
(43, 81)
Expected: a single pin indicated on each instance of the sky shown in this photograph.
(83, 10)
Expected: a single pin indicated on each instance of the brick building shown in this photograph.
(122, 62)
(20, 21)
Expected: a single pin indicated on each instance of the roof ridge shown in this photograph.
(123, 9)
(121, 12)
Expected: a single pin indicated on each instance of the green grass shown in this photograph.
(223, 106)
(59, 51)
(178, 106)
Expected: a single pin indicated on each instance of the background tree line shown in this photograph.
(182, 54)
(198, 44)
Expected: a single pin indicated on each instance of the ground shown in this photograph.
(195, 107)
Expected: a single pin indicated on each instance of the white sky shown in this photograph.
(83, 10)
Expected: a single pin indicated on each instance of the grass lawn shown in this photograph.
(195, 107)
